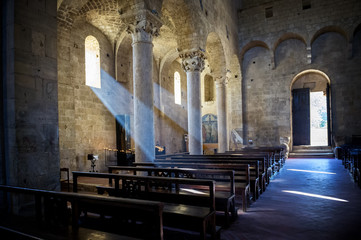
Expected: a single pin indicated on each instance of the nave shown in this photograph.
(286, 215)
(283, 211)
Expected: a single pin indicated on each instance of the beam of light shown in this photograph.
(168, 97)
(301, 170)
(192, 191)
(118, 100)
(166, 103)
(315, 195)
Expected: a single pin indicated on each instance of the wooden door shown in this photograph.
(301, 116)
(329, 123)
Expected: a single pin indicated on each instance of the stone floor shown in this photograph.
(280, 213)
(286, 215)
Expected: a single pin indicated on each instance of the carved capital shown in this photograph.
(221, 81)
(143, 25)
(192, 60)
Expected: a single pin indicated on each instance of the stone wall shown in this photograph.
(86, 121)
(294, 40)
(30, 100)
(173, 117)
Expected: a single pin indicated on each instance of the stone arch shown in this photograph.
(124, 61)
(249, 46)
(329, 29)
(288, 36)
(316, 80)
(186, 28)
(289, 46)
(309, 71)
(253, 44)
(329, 43)
(215, 55)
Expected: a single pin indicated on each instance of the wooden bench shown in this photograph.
(224, 187)
(276, 154)
(52, 208)
(182, 209)
(264, 175)
(256, 177)
(242, 176)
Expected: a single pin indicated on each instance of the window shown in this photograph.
(269, 12)
(306, 4)
(92, 62)
(177, 89)
(208, 88)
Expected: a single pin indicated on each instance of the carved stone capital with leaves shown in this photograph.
(221, 81)
(192, 60)
(143, 25)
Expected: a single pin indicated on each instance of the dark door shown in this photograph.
(328, 89)
(301, 116)
(122, 138)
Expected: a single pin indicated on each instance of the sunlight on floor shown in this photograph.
(300, 170)
(315, 195)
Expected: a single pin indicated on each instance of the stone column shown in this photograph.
(143, 26)
(221, 86)
(193, 65)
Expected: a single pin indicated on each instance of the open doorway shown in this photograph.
(318, 116)
(311, 109)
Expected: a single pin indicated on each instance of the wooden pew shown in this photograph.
(257, 178)
(224, 187)
(242, 175)
(52, 208)
(182, 210)
(276, 154)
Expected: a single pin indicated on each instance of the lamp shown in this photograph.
(92, 158)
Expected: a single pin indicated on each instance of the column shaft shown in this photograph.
(194, 112)
(143, 101)
(222, 116)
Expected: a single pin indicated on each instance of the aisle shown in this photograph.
(289, 215)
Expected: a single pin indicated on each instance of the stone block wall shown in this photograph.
(276, 49)
(86, 115)
(173, 121)
(30, 84)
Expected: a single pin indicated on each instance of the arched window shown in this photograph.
(92, 62)
(177, 89)
(208, 88)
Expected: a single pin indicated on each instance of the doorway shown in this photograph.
(318, 113)
(311, 109)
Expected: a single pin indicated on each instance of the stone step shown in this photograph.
(312, 150)
(311, 155)
(308, 147)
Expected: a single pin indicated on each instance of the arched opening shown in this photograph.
(208, 88)
(310, 103)
(177, 89)
(92, 62)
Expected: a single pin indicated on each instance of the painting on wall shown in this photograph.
(209, 128)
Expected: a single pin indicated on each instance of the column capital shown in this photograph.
(192, 60)
(142, 24)
(221, 81)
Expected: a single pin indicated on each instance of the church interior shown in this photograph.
(92, 90)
